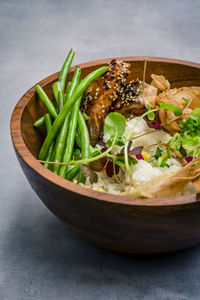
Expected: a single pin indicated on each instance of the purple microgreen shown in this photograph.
(165, 129)
(98, 164)
(87, 172)
(93, 177)
(189, 159)
(156, 126)
(109, 169)
(104, 145)
(139, 156)
(136, 151)
(183, 152)
(128, 147)
(116, 169)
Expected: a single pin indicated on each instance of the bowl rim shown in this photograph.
(33, 163)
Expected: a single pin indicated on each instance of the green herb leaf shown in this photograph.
(159, 161)
(190, 142)
(176, 109)
(121, 162)
(120, 142)
(176, 141)
(164, 163)
(150, 115)
(196, 111)
(114, 124)
(158, 153)
(132, 161)
(168, 152)
(192, 123)
(186, 101)
(76, 154)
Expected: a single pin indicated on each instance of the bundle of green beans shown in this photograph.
(65, 123)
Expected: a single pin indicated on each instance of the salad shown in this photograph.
(122, 136)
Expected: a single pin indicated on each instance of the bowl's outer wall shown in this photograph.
(120, 227)
(124, 227)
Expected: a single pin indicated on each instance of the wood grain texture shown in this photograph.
(119, 223)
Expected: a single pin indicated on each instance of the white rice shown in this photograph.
(143, 171)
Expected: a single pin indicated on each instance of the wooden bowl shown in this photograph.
(119, 223)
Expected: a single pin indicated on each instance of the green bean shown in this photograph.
(63, 132)
(70, 137)
(72, 173)
(48, 123)
(78, 138)
(66, 108)
(60, 144)
(84, 134)
(85, 143)
(58, 95)
(67, 92)
(93, 151)
(81, 178)
(56, 88)
(74, 83)
(45, 99)
(60, 100)
(84, 140)
(39, 122)
(65, 69)
(49, 156)
(85, 116)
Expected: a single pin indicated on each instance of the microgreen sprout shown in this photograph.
(176, 109)
(186, 101)
(150, 115)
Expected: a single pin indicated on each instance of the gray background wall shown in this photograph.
(39, 257)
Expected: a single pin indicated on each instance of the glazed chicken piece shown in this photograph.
(134, 98)
(128, 102)
(101, 94)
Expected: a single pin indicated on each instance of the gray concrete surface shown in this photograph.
(39, 257)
